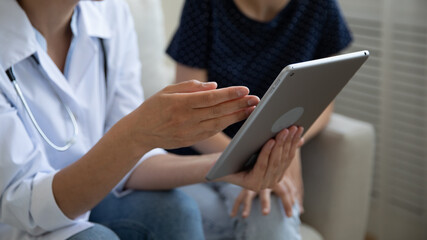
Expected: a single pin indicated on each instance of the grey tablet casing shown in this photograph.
(298, 96)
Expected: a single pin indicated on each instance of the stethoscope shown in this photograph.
(72, 140)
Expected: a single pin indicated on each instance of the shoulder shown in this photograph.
(114, 7)
(192, 7)
(110, 19)
(320, 11)
(326, 6)
(199, 3)
(114, 13)
(318, 6)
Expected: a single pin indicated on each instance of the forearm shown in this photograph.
(214, 144)
(169, 171)
(80, 186)
(320, 123)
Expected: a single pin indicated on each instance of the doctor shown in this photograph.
(73, 129)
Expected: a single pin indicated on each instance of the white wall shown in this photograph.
(172, 13)
(153, 38)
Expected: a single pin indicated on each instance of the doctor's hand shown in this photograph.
(185, 113)
(273, 160)
(285, 190)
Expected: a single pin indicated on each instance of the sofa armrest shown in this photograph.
(337, 169)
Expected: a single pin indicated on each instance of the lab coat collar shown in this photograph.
(95, 23)
(17, 37)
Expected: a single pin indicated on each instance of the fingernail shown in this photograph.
(285, 136)
(242, 92)
(209, 84)
(252, 101)
(293, 131)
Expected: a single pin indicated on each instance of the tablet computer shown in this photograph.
(298, 96)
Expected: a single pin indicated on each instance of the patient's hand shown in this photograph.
(273, 160)
(285, 190)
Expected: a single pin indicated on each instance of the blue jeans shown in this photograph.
(151, 215)
(97, 232)
(215, 201)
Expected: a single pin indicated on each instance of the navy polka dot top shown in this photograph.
(237, 50)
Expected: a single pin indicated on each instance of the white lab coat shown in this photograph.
(27, 163)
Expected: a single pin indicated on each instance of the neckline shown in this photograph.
(261, 23)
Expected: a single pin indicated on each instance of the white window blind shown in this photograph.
(390, 91)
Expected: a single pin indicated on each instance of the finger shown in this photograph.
(215, 97)
(284, 195)
(286, 160)
(215, 125)
(227, 108)
(288, 146)
(293, 191)
(273, 173)
(258, 172)
(247, 204)
(301, 142)
(276, 167)
(265, 201)
(295, 142)
(289, 204)
(279, 171)
(237, 203)
(190, 86)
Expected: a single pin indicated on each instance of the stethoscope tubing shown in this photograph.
(70, 142)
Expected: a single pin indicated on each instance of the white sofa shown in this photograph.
(337, 164)
(337, 171)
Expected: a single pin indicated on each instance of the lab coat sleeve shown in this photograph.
(26, 200)
(119, 190)
(124, 87)
(125, 94)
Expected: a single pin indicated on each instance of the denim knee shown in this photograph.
(183, 212)
(276, 225)
(97, 232)
(151, 215)
(181, 203)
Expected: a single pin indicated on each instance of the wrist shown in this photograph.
(130, 141)
(209, 163)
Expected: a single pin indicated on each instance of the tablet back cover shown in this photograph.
(298, 96)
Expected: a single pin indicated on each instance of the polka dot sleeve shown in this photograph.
(190, 44)
(335, 35)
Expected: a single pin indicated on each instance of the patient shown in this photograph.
(248, 42)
